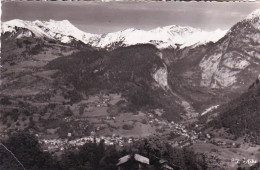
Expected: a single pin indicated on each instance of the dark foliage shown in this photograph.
(91, 156)
(98, 156)
(125, 70)
(242, 116)
(7, 160)
(157, 148)
(36, 49)
(255, 167)
(27, 150)
(5, 101)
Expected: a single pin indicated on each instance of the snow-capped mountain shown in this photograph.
(162, 37)
(62, 31)
(254, 18)
(214, 73)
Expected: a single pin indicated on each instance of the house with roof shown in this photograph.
(133, 162)
(164, 165)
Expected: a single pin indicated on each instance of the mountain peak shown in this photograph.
(8, 26)
(254, 18)
(161, 37)
(60, 30)
(65, 21)
(130, 30)
(254, 14)
(54, 22)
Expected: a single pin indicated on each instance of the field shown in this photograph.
(229, 153)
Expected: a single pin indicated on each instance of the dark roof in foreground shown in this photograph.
(137, 157)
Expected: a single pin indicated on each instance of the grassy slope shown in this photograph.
(241, 117)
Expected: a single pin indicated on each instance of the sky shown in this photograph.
(104, 17)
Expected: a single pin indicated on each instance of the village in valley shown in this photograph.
(105, 117)
(174, 97)
(114, 128)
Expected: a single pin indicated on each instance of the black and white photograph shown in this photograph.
(130, 85)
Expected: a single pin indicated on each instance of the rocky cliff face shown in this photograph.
(234, 60)
(214, 73)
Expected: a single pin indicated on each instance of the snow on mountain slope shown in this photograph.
(162, 37)
(254, 18)
(63, 31)
(165, 37)
(12, 25)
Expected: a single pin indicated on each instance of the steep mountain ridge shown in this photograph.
(163, 37)
(135, 71)
(62, 31)
(237, 54)
(214, 73)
